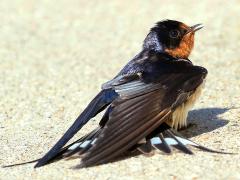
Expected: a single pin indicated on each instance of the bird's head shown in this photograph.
(172, 37)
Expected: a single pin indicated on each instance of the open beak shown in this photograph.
(195, 28)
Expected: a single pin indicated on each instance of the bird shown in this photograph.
(145, 103)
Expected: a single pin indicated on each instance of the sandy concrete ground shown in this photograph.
(54, 55)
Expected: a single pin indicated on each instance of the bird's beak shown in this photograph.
(195, 28)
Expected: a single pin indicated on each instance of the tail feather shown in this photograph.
(166, 147)
(146, 148)
(196, 145)
(171, 138)
(179, 145)
(103, 99)
(81, 145)
(20, 164)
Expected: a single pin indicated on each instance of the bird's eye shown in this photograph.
(174, 34)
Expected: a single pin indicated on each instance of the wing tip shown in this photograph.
(39, 164)
(42, 162)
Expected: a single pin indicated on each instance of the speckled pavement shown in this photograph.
(54, 56)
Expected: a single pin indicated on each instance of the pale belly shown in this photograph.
(179, 116)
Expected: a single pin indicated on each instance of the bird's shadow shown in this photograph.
(204, 120)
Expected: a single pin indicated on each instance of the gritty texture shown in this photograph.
(54, 56)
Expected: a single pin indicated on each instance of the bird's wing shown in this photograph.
(139, 109)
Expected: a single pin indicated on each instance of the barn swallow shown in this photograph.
(144, 104)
